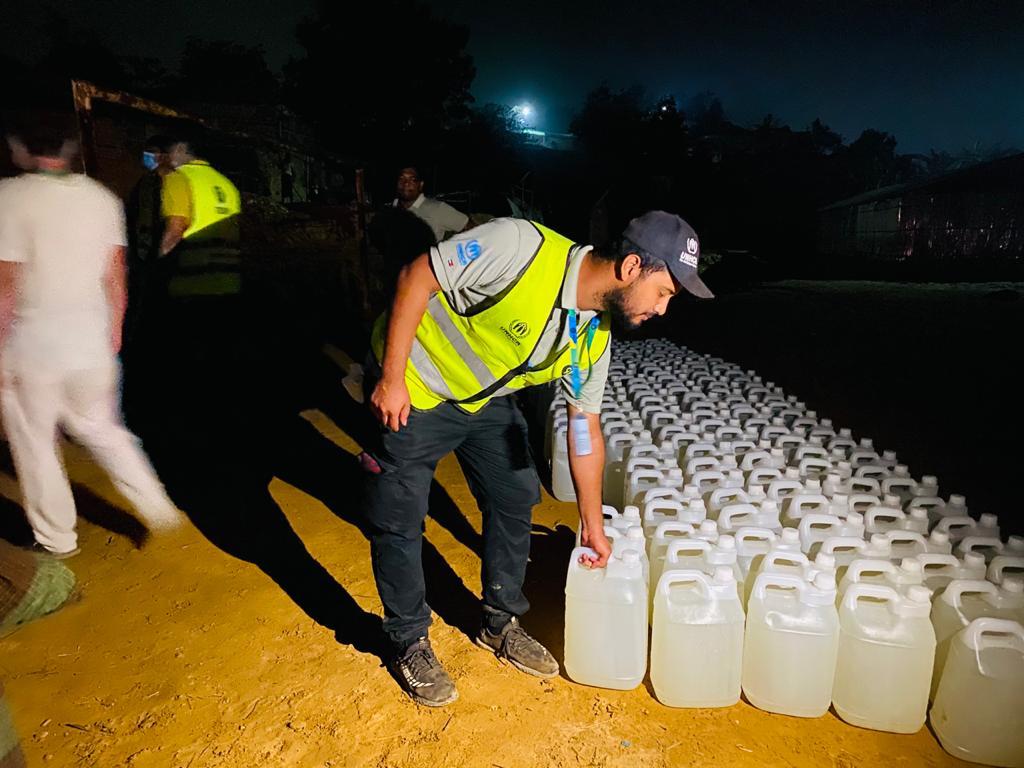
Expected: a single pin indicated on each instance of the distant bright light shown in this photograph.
(525, 111)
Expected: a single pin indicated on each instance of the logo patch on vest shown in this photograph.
(516, 330)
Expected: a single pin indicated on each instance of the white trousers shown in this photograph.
(36, 405)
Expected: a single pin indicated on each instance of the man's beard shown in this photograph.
(615, 305)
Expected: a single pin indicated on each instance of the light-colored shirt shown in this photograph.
(439, 216)
(504, 247)
(63, 231)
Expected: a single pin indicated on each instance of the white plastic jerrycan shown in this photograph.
(635, 540)
(940, 569)
(609, 515)
(1003, 566)
(778, 560)
(606, 622)
(664, 535)
(685, 554)
(697, 639)
(752, 542)
(978, 713)
(799, 504)
(660, 511)
(886, 652)
(790, 644)
(815, 527)
(732, 517)
(962, 601)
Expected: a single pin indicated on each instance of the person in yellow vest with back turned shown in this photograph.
(508, 305)
(200, 207)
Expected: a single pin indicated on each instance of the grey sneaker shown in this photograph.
(421, 675)
(41, 550)
(521, 650)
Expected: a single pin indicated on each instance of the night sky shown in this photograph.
(938, 75)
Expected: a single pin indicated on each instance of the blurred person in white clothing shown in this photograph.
(62, 304)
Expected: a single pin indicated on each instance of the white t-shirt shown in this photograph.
(62, 229)
(474, 266)
(438, 215)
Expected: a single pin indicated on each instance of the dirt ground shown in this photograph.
(251, 636)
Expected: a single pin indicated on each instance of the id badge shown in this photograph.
(581, 435)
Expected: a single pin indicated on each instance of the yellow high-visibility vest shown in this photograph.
(469, 358)
(209, 263)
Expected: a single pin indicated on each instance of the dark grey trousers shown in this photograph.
(491, 445)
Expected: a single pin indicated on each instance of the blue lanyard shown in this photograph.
(574, 351)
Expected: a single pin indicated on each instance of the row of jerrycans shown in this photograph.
(790, 652)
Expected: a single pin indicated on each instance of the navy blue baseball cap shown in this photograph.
(669, 238)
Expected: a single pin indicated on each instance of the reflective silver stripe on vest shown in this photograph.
(461, 346)
(428, 371)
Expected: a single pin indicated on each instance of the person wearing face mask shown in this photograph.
(145, 231)
(508, 305)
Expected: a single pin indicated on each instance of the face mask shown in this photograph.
(149, 161)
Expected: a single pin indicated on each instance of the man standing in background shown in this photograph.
(442, 219)
(62, 304)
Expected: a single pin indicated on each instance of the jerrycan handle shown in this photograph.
(574, 559)
(686, 545)
(955, 521)
(885, 513)
(727, 514)
(816, 518)
(765, 580)
(615, 439)
(644, 474)
(684, 576)
(832, 543)
(779, 555)
(610, 512)
(934, 559)
(661, 505)
(957, 588)
(754, 533)
(863, 565)
(1000, 563)
(672, 525)
(970, 543)
(906, 537)
(992, 633)
(801, 500)
(876, 591)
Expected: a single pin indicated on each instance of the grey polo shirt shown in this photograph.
(439, 216)
(473, 266)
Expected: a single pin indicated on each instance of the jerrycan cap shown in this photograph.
(838, 454)
(691, 492)
(901, 470)
(942, 538)
(957, 500)
(867, 443)
(930, 480)
(816, 440)
(792, 473)
(823, 592)
(918, 514)
(708, 526)
(723, 574)
(826, 422)
(776, 453)
(814, 484)
(825, 561)
(735, 475)
(645, 436)
(855, 518)
(631, 513)
(635, 532)
(973, 559)
(756, 492)
(727, 541)
(910, 565)
(919, 593)
(769, 507)
(697, 505)
(1013, 584)
(889, 455)
(840, 498)
(675, 474)
(789, 536)
(630, 556)
(846, 433)
(988, 520)
(778, 421)
(1016, 543)
(891, 500)
(879, 541)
